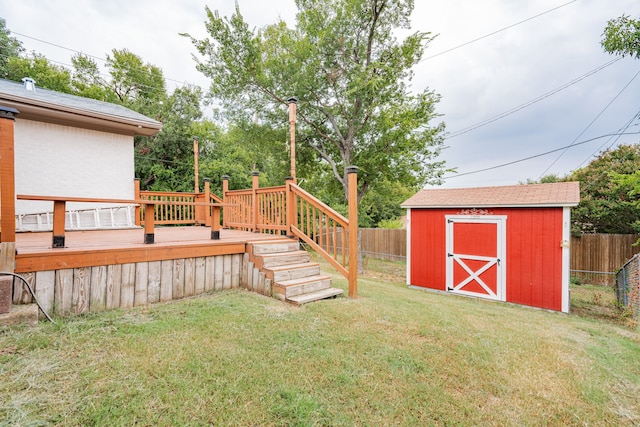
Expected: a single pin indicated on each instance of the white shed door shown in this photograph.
(476, 256)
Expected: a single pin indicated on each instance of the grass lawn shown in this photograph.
(394, 356)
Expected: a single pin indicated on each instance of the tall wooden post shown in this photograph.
(292, 134)
(255, 179)
(352, 183)
(7, 176)
(225, 189)
(207, 199)
(196, 153)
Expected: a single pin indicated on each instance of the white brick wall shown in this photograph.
(57, 160)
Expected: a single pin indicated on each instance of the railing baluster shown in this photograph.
(343, 240)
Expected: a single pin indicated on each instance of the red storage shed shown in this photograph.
(507, 243)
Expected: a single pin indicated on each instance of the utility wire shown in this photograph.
(532, 101)
(614, 138)
(88, 55)
(590, 124)
(497, 31)
(539, 155)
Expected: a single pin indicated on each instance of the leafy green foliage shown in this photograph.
(350, 73)
(45, 73)
(622, 36)
(165, 161)
(608, 204)
(10, 47)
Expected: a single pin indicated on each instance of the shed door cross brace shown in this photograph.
(474, 275)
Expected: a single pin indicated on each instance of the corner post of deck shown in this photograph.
(207, 199)
(291, 206)
(225, 190)
(59, 212)
(7, 176)
(149, 233)
(136, 196)
(352, 183)
(255, 177)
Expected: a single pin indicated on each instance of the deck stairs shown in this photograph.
(289, 270)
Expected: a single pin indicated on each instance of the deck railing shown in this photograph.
(177, 208)
(179, 213)
(292, 211)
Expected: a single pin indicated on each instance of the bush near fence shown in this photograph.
(595, 258)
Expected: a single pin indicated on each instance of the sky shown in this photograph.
(532, 73)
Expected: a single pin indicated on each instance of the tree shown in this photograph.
(10, 47)
(164, 162)
(622, 37)
(87, 81)
(45, 73)
(351, 75)
(607, 203)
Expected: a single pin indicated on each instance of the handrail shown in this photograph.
(59, 209)
(293, 210)
(320, 227)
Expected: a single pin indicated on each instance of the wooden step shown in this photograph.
(290, 288)
(293, 271)
(315, 296)
(267, 261)
(288, 245)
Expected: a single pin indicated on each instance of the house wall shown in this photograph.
(57, 160)
(534, 273)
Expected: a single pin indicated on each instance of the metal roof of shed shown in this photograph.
(531, 195)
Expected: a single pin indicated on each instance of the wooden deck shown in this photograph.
(107, 247)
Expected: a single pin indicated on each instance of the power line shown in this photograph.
(615, 139)
(539, 155)
(498, 31)
(591, 123)
(532, 101)
(90, 56)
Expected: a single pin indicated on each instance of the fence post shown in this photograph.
(136, 196)
(352, 184)
(225, 189)
(255, 176)
(207, 199)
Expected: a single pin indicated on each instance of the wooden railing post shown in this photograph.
(207, 199)
(255, 176)
(291, 206)
(136, 196)
(352, 183)
(292, 134)
(225, 190)
(59, 208)
(7, 176)
(149, 233)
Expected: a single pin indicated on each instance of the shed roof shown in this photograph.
(62, 108)
(530, 195)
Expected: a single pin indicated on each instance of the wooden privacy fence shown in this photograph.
(595, 258)
(384, 243)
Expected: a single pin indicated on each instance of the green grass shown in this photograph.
(394, 356)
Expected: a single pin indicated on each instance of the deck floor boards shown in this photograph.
(118, 244)
(103, 239)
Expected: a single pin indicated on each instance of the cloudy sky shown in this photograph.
(517, 78)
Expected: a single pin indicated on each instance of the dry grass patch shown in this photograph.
(394, 356)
